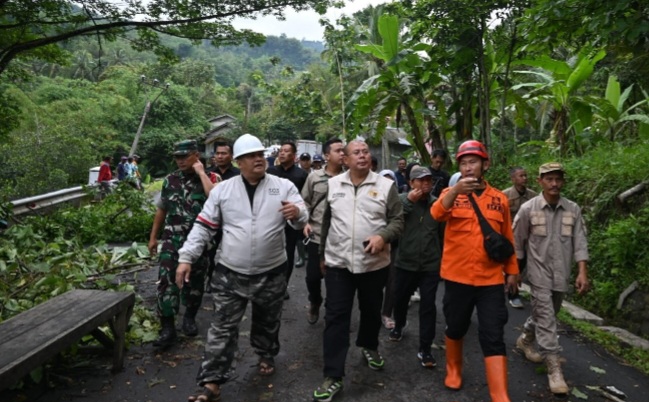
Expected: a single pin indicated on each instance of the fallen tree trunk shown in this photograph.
(638, 189)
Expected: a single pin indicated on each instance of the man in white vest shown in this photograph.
(363, 214)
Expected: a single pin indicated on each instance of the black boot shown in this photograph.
(189, 321)
(167, 334)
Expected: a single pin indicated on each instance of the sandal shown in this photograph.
(388, 322)
(266, 366)
(207, 396)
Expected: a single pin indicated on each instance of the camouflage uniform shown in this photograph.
(182, 198)
(231, 292)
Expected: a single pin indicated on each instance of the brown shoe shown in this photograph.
(555, 375)
(313, 313)
(525, 343)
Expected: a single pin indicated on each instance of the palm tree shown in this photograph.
(400, 86)
(83, 65)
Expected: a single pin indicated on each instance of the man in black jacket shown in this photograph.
(440, 176)
(287, 169)
(417, 263)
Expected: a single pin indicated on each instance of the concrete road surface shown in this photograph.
(150, 376)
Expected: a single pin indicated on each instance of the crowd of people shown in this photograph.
(382, 238)
(127, 171)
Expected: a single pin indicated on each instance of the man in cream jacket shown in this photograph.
(363, 214)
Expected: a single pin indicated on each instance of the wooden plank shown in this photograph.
(58, 320)
(20, 325)
(33, 337)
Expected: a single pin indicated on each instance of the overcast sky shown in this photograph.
(303, 25)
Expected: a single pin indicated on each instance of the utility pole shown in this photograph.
(156, 84)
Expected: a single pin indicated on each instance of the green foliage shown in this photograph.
(622, 26)
(9, 111)
(614, 116)
(33, 30)
(399, 86)
(33, 162)
(556, 87)
(619, 257)
(125, 215)
(41, 258)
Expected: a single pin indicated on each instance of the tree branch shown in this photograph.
(10, 52)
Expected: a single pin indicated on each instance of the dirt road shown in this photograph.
(169, 377)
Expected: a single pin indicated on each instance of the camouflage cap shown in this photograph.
(551, 167)
(185, 147)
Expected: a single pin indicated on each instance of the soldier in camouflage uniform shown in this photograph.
(183, 194)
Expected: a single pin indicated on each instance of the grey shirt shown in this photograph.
(517, 199)
(314, 194)
(552, 239)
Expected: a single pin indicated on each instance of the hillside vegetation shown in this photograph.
(535, 81)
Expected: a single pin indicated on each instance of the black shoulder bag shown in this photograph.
(497, 246)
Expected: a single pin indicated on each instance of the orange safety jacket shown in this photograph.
(464, 259)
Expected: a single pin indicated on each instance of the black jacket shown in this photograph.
(294, 174)
(420, 246)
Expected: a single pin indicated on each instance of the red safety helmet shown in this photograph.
(472, 147)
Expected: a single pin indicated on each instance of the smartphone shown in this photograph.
(365, 244)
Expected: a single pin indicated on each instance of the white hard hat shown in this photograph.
(247, 144)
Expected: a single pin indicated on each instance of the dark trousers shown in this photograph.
(459, 302)
(388, 298)
(291, 241)
(405, 283)
(341, 287)
(313, 274)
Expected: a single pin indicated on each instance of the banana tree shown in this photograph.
(612, 113)
(557, 87)
(398, 88)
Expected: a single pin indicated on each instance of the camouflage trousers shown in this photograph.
(231, 292)
(169, 295)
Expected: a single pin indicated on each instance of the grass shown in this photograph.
(632, 356)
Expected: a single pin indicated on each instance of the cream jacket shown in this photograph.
(353, 214)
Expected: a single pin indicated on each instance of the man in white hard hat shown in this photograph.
(253, 269)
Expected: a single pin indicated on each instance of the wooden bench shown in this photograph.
(33, 337)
